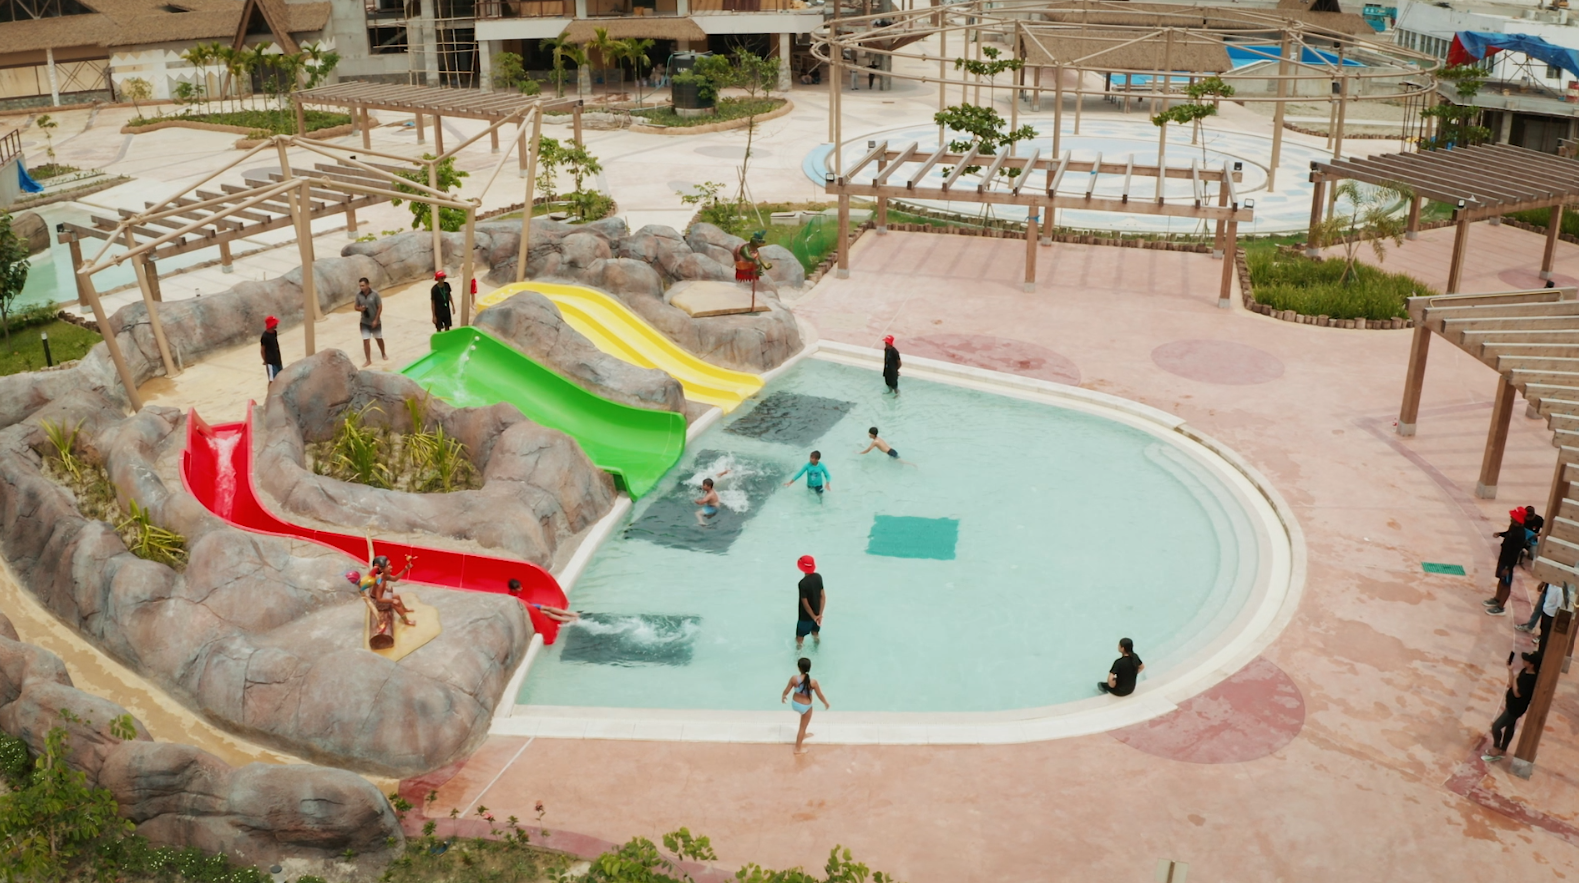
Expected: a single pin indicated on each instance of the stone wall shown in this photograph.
(178, 795)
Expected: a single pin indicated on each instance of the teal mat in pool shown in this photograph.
(903, 536)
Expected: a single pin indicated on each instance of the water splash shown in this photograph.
(730, 487)
(225, 478)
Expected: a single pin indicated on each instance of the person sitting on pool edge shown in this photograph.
(817, 477)
(1126, 668)
(557, 614)
(885, 447)
(708, 502)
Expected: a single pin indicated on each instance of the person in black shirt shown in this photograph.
(1516, 701)
(891, 365)
(811, 604)
(1513, 540)
(1126, 668)
(443, 303)
(270, 348)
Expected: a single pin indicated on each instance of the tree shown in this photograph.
(634, 50)
(758, 77)
(451, 220)
(48, 125)
(52, 820)
(1193, 111)
(137, 89)
(1371, 215)
(318, 63)
(13, 273)
(564, 51)
(255, 60)
(1458, 124)
(986, 128)
(605, 46)
(509, 72)
(199, 57)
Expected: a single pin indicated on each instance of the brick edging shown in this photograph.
(1346, 135)
(727, 125)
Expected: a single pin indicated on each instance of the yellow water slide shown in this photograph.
(614, 329)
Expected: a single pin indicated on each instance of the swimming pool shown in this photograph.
(995, 574)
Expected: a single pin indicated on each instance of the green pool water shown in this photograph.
(997, 572)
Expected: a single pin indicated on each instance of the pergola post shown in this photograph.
(433, 218)
(1559, 492)
(74, 244)
(1554, 228)
(422, 128)
(468, 267)
(1230, 265)
(1496, 439)
(438, 135)
(844, 236)
(1541, 700)
(1414, 379)
(1412, 228)
(301, 116)
(493, 140)
(304, 249)
(1455, 269)
(1343, 110)
(350, 223)
(575, 125)
(882, 201)
(1079, 97)
(521, 150)
(1277, 114)
(1222, 225)
(1030, 250)
(1036, 94)
(225, 263)
(140, 267)
(1317, 201)
(85, 287)
(1058, 109)
(531, 178)
(367, 128)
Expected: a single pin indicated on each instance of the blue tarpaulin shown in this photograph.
(1472, 46)
(28, 184)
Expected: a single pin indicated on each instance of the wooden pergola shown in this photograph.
(1051, 174)
(194, 218)
(357, 98)
(1481, 182)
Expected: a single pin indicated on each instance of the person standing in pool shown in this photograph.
(708, 502)
(891, 365)
(817, 477)
(803, 687)
(1126, 669)
(885, 447)
(811, 605)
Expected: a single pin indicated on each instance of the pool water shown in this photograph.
(996, 568)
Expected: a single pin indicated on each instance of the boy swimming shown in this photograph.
(817, 477)
(708, 502)
(885, 447)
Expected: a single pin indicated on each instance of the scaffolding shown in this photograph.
(442, 36)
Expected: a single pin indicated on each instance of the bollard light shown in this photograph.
(1250, 203)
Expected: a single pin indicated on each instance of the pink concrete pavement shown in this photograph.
(1395, 673)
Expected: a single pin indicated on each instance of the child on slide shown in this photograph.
(557, 614)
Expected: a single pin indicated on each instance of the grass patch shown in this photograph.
(1286, 281)
(66, 464)
(726, 109)
(51, 170)
(269, 122)
(66, 342)
(1541, 217)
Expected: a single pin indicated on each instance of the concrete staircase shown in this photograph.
(1531, 338)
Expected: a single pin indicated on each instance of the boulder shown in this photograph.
(532, 324)
(528, 514)
(581, 249)
(624, 276)
(32, 229)
(787, 270)
(703, 236)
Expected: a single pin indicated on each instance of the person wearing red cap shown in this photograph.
(443, 303)
(1507, 561)
(811, 604)
(270, 348)
(891, 365)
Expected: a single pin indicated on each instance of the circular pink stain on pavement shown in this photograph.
(1218, 361)
(1249, 716)
(1525, 280)
(996, 354)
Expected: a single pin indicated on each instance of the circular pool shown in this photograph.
(990, 573)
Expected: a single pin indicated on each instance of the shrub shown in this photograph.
(1286, 281)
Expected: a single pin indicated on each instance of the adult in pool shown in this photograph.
(885, 447)
(811, 605)
(708, 502)
(557, 614)
(891, 364)
(803, 687)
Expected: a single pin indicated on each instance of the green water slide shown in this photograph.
(470, 368)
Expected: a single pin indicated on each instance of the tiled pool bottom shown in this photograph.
(995, 573)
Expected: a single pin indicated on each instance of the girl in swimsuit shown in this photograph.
(803, 687)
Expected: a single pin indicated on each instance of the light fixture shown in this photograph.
(1336, 87)
(828, 177)
(1461, 203)
(1250, 203)
(870, 145)
(1239, 166)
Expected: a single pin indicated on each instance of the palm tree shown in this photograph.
(564, 51)
(199, 56)
(255, 59)
(634, 50)
(608, 49)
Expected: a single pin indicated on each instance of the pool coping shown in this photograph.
(1272, 605)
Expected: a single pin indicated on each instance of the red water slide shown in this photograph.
(217, 470)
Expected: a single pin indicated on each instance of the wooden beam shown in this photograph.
(880, 150)
(1096, 171)
(1006, 197)
(1545, 688)
(992, 170)
(1496, 439)
(959, 168)
(1057, 177)
(1455, 269)
(102, 321)
(893, 165)
(1230, 266)
(926, 167)
(1025, 170)
(1554, 226)
(1414, 381)
(1030, 251)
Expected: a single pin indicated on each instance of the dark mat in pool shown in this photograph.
(790, 418)
(670, 520)
(628, 639)
(903, 536)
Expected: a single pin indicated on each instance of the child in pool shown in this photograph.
(708, 502)
(885, 447)
(557, 614)
(803, 687)
(817, 477)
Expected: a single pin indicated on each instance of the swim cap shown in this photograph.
(807, 564)
(889, 340)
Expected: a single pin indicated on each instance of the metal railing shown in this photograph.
(10, 145)
(494, 9)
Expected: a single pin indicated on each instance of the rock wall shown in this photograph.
(258, 634)
(639, 268)
(532, 324)
(178, 795)
(539, 489)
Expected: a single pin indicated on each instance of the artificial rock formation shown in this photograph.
(539, 489)
(532, 324)
(178, 795)
(31, 228)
